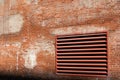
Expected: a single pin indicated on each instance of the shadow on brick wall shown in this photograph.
(12, 77)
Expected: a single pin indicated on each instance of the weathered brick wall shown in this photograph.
(28, 29)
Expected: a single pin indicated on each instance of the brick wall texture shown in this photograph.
(28, 29)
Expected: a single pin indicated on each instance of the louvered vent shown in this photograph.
(82, 54)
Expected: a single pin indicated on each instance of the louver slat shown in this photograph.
(103, 37)
(82, 49)
(82, 54)
(82, 71)
(78, 42)
(76, 57)
(81, 35)
(81, 60)
(81, 68)
(80, 46)
(78, 64)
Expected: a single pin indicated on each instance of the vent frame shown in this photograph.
(107, 56)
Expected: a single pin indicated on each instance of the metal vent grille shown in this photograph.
(82, 54)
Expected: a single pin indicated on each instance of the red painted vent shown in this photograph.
(82, 54)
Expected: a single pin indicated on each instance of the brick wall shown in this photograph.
(28, 29)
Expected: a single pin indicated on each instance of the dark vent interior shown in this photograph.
(82, 54)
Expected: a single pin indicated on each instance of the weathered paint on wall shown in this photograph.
(15, 23)
(28, 29)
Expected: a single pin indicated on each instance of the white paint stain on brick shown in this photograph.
(31, 1)
(43, 23)
(28, 1)
(1, 2)
(3, 52)
(11, 24)
(30, 59)
(16, 44)
(6, 50)
(78, 4)
(30, 54)
(46, 45)
(77, 29)
(35, 1)
(15, 23)
(17, 63)
(12, 3)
